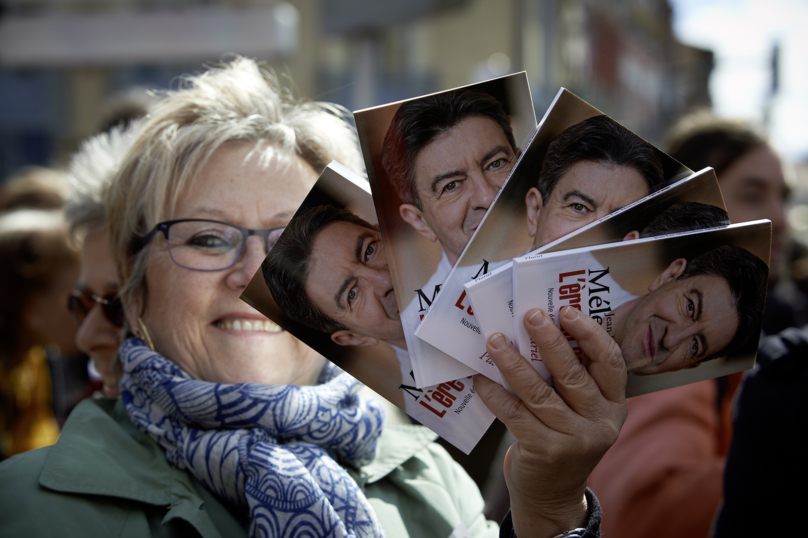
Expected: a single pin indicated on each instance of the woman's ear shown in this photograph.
(674, 270)
(348, 338)
(533, 203)
(413, 216)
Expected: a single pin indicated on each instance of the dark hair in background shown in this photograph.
(31, 261)
(124, 108)
(701, 140)
(601, 140)
(686, 217)
(286, 268)
(417, 123)
(747, 276)
(34, 187)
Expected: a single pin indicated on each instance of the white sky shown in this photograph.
(741, 34)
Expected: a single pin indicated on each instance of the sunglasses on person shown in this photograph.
(80, 303)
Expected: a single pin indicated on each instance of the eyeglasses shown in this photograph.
(206, 245)
(79, 303)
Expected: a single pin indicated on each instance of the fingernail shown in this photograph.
(571, 313)
(537, 319)
(498, 341)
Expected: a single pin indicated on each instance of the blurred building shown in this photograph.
(62, 60)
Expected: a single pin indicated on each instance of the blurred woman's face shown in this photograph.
(47, 318)
(195, 318)
(97, 336)
(754, 187)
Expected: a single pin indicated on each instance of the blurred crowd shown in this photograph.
(690, 461)
(54, 268)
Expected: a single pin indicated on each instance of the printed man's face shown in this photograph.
(585, 193)
(677, 324)
(457, 177)
(350, 282)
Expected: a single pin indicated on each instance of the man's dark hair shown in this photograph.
(686, 217)
(701, 140)
(600, 140)
(417, 123)
(747, 276)
(286, 268)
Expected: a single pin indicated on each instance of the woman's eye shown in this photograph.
(752, 198)
(351, 295)
(208, 241)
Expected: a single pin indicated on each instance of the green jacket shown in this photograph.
(106, 478)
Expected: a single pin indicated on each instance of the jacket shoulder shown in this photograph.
(426, 493)
(72, 489)
(32, 510)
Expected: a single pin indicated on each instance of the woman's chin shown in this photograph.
(239, 356)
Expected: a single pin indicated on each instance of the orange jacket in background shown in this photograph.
(664, 475)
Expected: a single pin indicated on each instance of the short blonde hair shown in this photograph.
(239, 101)
(90, 173)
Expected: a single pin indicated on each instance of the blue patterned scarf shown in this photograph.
(270, 448)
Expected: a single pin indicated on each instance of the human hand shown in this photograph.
(561, 434)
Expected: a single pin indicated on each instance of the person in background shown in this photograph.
(753, 183)
(225, 430)
(663, 477)
(94, 303)
(766, 469)
(34, 187)
(123, 109)
(37, 271)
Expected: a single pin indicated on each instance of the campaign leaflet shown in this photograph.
(326, 282)
(698, 194)
(580, 166)
(435, 164)
(683, 307)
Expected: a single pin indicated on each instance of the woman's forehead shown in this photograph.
(237, 182)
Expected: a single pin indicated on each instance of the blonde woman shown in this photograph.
(229, 426)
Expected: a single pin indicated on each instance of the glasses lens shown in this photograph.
(113, 309)
(77, 306)
(80, 305)
(273, 237)
(204, 245)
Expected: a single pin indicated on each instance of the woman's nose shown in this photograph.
(251, 259)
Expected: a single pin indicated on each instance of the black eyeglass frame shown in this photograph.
(164, 227)
(110, 304)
